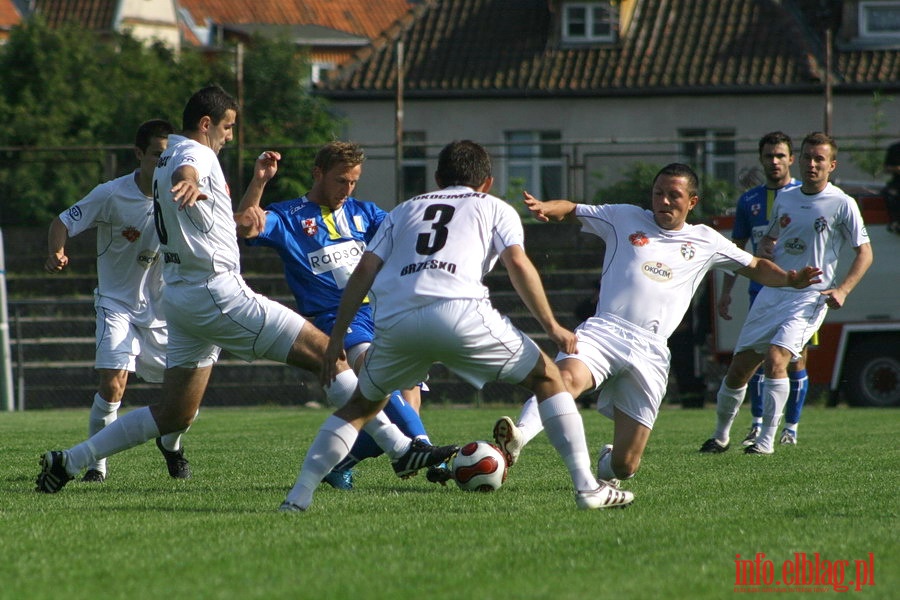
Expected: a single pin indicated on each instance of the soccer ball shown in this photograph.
(479, 467)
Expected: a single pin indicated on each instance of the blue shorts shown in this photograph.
(360, 331)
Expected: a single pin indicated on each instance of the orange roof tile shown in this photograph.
(9, 16)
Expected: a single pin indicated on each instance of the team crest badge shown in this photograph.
(785, 220)
(755, 209)
(638, 238)
(688, 251)
(310, 227)
(131, 234)
(820, 225)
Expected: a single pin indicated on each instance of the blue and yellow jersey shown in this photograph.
(319, 247)
(751, 218)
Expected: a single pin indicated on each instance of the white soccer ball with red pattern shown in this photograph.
(479, 467)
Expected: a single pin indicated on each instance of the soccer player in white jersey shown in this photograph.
(653, 263)
(207, 304)
(424, 269)
(320, 238)
(751, 221)
(812, 223)
(130, 329)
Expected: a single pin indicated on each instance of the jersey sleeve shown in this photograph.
(853, 227)
(89, 211)
(727, 255)
(742, 229)
(508, 231)
(382, 244)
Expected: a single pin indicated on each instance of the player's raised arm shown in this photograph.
(549, 210)
(764, 271)
(56, 247)
(249, 217)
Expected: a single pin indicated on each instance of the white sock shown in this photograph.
(102, 414)
(604, 468)
(172, 441)
(332, 443)
(728, 403)
(792, 426)
(340, 390)
(388, 436)
(565, 429)
(775, 397)
(529, 423)
(128, 431)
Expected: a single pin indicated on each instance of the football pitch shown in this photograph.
(817, 518)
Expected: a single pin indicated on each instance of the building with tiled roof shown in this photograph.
(568, 93)
(9, 18)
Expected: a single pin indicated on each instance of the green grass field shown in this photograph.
(219, 535)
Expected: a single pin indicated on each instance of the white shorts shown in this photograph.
(225, 313)
(124, 346)
(629, 364)
(781, 318)
(468, 336)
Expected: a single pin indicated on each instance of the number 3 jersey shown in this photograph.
(319, 247)
(439, 246)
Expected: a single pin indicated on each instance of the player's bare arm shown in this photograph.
(764, 271)
(357, 288)
(549, 210)
(56, 246)
(527, 283)
(249, 217)
(861, 263)
(186, 187)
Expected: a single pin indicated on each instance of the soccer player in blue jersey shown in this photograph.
(751, 220)
(320, 238)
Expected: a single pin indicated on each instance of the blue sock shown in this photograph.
(797, 396)
(754, 388)
(400, 414)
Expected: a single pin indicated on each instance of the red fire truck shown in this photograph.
(858, 356)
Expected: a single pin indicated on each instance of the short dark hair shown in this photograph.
(818, 138)
(681, 170)
(336, 153)
(776, 137)
(463, 162)
(152, 129)
(212, 101)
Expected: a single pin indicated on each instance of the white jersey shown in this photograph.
(812, 229)
(650, 274)
(201, 241)
(439, 246)
(129, 273)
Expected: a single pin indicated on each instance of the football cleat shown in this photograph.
(421, 454)
(94, 476)
(53, 476)
(607, 449)
(509, 439)
(605, 496)
(751, 436)
(757, 449)
(788, 437)
(290, 507)
(712, 446)
(439, 474)
(340, 480)
(178, 465)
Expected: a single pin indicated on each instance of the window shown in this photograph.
(414, 167)
(710, 152)
(319, 70)
(535, 163)
(879, 19)
(588, 22)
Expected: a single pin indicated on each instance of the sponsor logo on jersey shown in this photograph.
(75, 213)
(335, 256)
(820, 225)
(688, 251)
(172, 257)
(131, 233)
(795, 246)
(638, 238)
(428, 264)
(785, 220)
(310, 227)
(146, 258)
(755, 209)
(657, 271)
